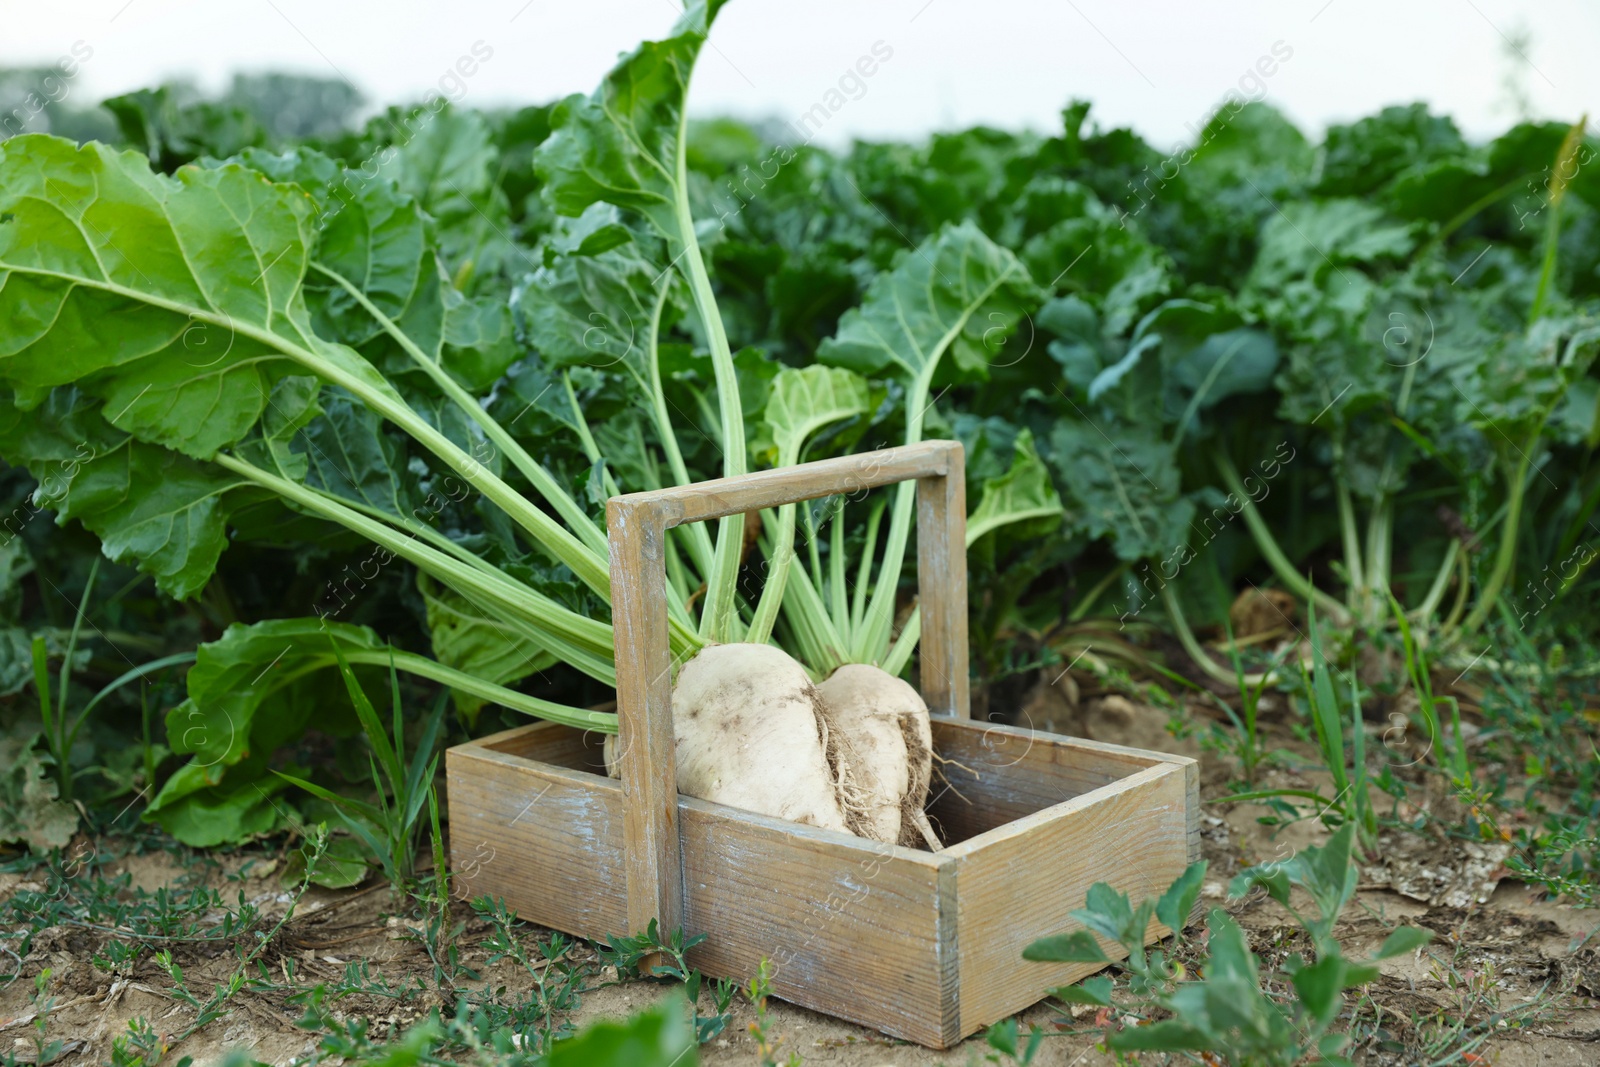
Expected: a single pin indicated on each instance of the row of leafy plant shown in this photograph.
(375, 387)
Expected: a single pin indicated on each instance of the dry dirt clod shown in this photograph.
(1259, 611)
(1054, 706)
(1457, 874)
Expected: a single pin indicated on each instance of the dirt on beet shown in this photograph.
(1510, 977)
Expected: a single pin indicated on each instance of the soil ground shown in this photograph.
(1509, 978)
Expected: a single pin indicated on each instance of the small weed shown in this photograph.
(1452, 1034)
(137, 917)
(60, 726)
(45, 1048)
(1006, 1039)
(140, 1046)
(767, 1043)
(215, 1006)
(392, 826)
(1561, 861)
(629, 954)
(1352, 801)
(557, 979)
(1227, 1011)
(1243, 743)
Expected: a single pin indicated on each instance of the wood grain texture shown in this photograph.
(546, 839)
(1191, 793)
(989, 774)
(851, 926)
(645, 747)
(721, 497)
(1019, 882)
(942, 589)
(920, 945)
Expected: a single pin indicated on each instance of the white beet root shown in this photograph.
(749, 734)
(880, 725)
(853, 754)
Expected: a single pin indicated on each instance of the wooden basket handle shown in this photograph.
(637, 526)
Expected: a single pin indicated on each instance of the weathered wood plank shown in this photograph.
(721, 497)
(1019, 882)
(988, 774)
(547, 839)
(942, 589)
(851, 926)
(646, 754)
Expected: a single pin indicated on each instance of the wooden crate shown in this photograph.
(924, 946)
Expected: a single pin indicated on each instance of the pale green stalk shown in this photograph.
(869, 552)
(700, 549)
(900, 655)
(1441, 582)
(1294, 581)
(583, 642)
(1377, 587)
(433, 670)
(717, 616)
(1506, 556)
(837, 593)
(592, 570)
(872, 641)
(779, 556)
(1355, 572)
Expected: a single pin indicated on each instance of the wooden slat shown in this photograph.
(546, 839)
(551, 742)
(852, 927)
(942, 589)
(1019, 883)
(993, 774)
(645, 749)
(721, 497)
(1191, 794)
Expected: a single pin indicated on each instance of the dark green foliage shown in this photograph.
(374, 384)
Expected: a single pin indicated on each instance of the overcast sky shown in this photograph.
(1156, 66)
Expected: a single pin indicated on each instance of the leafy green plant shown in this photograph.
(659, 1037)
(1006, 1040)
(668, 958)
(341, 345)
(1352, 801)
(60, 728)
(767, 1043)
(1227, 1010)
(139, 1046)
(392, 827)
(1378, 368)
(1559, 859)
